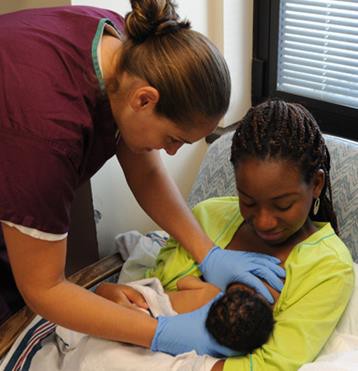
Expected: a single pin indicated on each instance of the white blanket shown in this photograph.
(70, 350)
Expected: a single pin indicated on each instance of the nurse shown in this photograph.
(78, 85)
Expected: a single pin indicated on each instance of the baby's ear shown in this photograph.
(318, 183)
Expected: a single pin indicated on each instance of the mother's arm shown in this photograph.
(219, 366)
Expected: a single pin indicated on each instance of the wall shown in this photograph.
(230, 24)
(13, 5)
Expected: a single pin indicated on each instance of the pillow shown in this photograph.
(348, 324)
(341, 350)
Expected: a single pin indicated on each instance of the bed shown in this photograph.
(22, 335)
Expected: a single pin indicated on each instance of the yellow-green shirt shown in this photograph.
(319, 283)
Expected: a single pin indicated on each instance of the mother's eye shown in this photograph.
(284, 207)
(247, 204)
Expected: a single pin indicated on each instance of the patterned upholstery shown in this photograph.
(216, 178)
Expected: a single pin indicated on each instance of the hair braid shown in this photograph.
(280, 130)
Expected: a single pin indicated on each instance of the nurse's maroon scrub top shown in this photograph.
(56, 127)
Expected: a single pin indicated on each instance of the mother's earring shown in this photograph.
(316, 206)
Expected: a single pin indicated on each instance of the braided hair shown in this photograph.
(280, 130)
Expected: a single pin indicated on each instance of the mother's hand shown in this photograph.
(186, 332)
(222, 267)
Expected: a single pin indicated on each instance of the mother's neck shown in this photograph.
(245, 239)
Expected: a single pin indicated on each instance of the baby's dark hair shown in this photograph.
(240, 319)
(286, 131)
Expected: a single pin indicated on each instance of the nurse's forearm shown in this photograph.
(38, 268)
(78, 309)
(166, 206)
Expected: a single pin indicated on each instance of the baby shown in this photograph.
(240, 319)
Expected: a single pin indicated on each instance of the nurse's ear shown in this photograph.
(144, 97)
(318, 183)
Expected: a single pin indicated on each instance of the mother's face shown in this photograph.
(274, 198)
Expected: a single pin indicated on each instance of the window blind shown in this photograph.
(318, 50)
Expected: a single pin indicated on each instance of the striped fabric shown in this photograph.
(29, 345)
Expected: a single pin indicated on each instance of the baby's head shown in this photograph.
(241, 319)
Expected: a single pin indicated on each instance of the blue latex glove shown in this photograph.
(222, 267)
(187, 332)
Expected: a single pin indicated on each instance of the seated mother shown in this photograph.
(284, 209)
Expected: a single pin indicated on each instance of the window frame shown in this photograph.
(332, 118)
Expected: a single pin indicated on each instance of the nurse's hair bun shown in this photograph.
(150, 18)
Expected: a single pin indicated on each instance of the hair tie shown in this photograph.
(170, 26)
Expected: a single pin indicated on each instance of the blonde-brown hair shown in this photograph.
(188, 71)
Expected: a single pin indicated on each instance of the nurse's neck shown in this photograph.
(110, 53)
